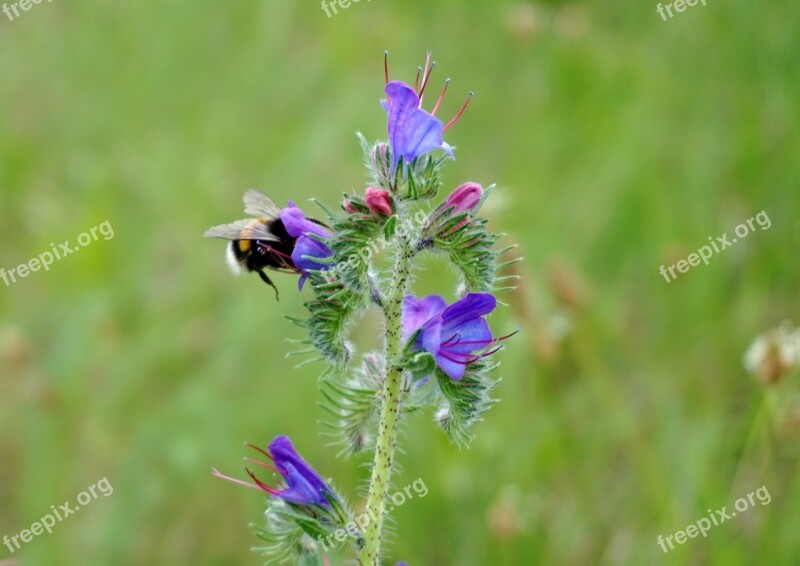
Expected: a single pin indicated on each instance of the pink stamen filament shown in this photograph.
(273, 250)
(441, 97)
(460, 112)
(490, 352)
(425, 71)
(386, 66)
(261, 484)
(461, 362)
(268, 455)
(449, 340)
(487, 342)
(256, 448)
(425, 81)
(454, 340)
(462, 354)
(217, 474)
(263, 465)
(416, 82)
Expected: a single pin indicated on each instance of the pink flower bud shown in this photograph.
(379, 201)
(348, 206)
(379, 155)
(465, 198)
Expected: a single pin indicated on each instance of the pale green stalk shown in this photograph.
(390, 410)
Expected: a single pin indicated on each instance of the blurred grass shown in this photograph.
(619, 143)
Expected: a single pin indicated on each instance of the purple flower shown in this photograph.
(412, 130)
(303, 484)
(300, 227)
(451, 333)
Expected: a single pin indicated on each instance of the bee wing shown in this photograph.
(258, 204)
(241, 230)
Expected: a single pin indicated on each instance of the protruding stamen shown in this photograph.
(425, 81)
(506, 336)
(483, 343)
(490, 352)
(273, 250)
(427, 62)
(256, 448)
(450, 340)
(217, 474)
(386, 66)
(460, 362)
(460, 112)
(416, 82)
(262, 464)
(261, 484)
(441, 97)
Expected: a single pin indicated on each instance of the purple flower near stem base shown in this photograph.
(306, 247)
(303, 485)
(452, 334)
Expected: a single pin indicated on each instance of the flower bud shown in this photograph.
(381, 162)
(465, 198)
(348, 206)
(380, 155)
(379, 201)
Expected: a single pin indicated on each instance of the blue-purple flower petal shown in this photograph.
(451, 333)
(418, 311)
(297, 224)
(304, 486)
(306, 247)
(412, 131)
(472, 306)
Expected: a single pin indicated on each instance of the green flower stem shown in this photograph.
(390, 411)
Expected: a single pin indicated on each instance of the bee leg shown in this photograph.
(269, 282)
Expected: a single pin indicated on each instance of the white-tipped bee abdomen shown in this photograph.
(233, 262)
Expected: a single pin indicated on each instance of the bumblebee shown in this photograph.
(258, 243)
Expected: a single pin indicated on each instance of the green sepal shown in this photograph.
(389, 227)
(292, 531)
(468, 244)
(355, 405)
(421, 365)
(465, 401)
(329, 315)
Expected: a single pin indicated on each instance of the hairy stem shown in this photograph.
(390, 410)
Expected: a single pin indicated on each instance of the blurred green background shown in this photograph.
(619, 142)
